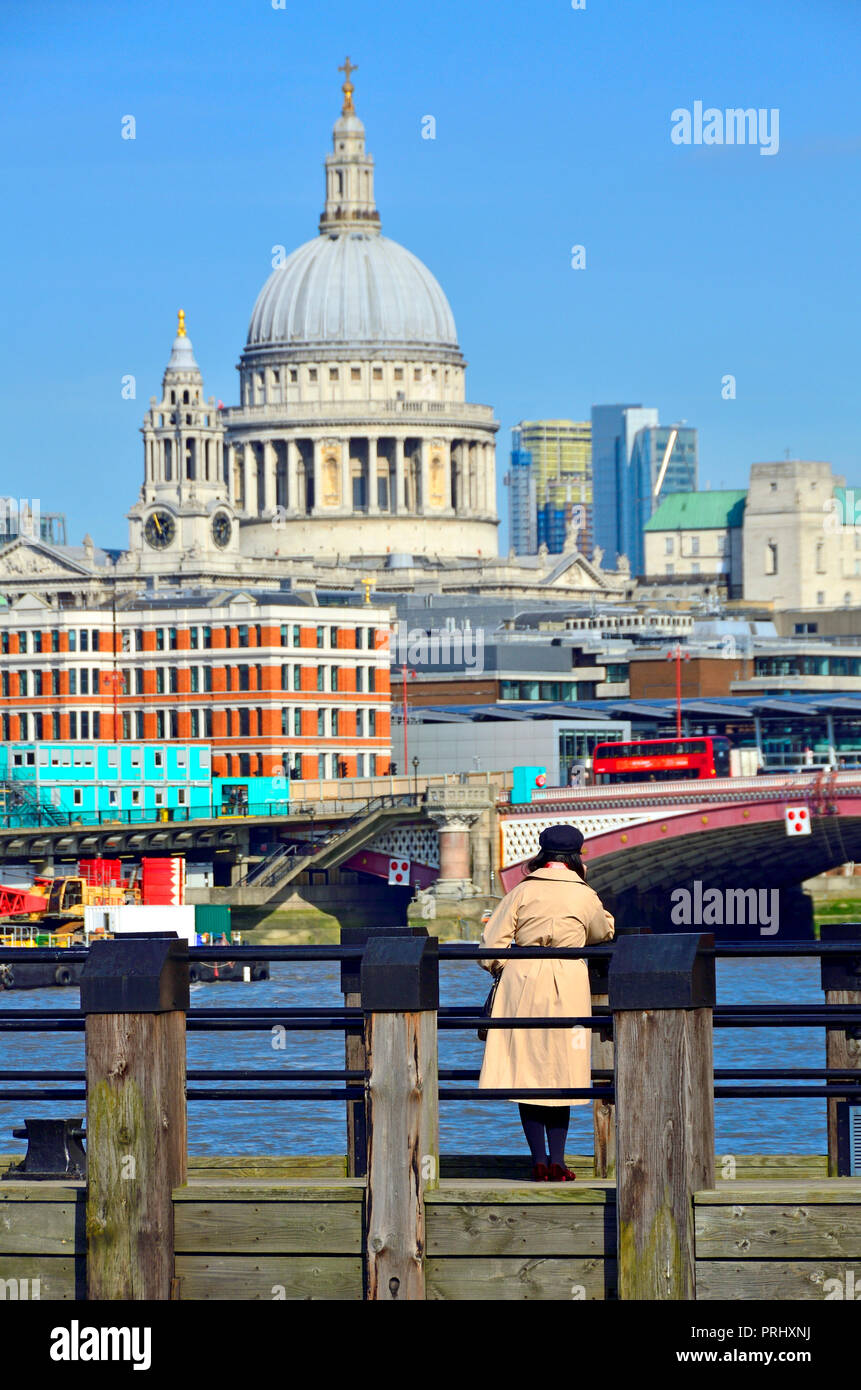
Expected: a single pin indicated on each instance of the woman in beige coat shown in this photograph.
(553, 906)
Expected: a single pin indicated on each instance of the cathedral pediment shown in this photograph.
(574, 571)
(23, 558)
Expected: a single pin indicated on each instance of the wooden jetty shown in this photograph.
(151, 1222)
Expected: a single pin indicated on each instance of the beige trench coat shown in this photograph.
(552, 907)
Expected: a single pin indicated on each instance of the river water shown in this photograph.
(317, 1127)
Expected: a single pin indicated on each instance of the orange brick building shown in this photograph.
(272, 684)
(703, 677)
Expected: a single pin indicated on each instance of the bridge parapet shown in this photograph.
(458, 798)
(693, 792)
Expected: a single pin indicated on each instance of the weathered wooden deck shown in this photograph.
(293, 1228)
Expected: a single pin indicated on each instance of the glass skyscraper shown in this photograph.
(560, 469)
(522, 516)
(636, 462)
(663, 460)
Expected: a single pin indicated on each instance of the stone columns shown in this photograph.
(457, 465)
(346, 476)
(481, 837)
(318, 476)
(484, 479)
(424, 457)
(489, 478)
(447, 477)
(270, 461)
(228, 472)
(469, 480)
(292, 475)
(400, 476)
(454, 809)
(373, 486)
(249, 480)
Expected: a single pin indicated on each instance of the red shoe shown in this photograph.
(558, 1173)
(540, 1173)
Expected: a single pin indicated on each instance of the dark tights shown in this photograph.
(552, 1118)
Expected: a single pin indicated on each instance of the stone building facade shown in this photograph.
(801, 548)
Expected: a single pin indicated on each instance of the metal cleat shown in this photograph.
(54, 1150)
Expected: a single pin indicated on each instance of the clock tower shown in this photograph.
(183, 517)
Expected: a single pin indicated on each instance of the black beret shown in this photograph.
(561, 839)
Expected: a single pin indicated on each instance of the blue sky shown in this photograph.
(552, 129)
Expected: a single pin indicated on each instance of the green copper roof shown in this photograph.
(699, 511)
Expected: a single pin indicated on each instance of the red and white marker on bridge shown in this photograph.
(399, 871)
(797, 820)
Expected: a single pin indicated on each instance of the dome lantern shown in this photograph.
(182, 357)
(349, 172)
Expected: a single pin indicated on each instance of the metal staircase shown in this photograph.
(286, 862)
(20, 804)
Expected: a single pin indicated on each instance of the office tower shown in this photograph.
(561, 456)
(663, 461)
(614, 428)
(636, 462)
(522, 518)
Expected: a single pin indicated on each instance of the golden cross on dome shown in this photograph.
(346, 68)
(180, 332)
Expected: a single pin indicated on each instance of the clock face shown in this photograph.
(222, 529)
(159, 530)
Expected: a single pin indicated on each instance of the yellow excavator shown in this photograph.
(63, 901)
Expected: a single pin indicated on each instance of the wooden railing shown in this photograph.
(652, 1088)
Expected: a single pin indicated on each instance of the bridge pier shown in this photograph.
(454, 810)
(481, 837)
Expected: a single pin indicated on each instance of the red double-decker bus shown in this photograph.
(660, 760)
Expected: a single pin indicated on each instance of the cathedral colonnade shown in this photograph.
(386, 473)
(185, 458)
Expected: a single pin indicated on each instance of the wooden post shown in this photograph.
(662, 994)
(400, 997)
(355, 1057)
(841, 981)
(354, 1054)
(604, 1111)
(134, 992)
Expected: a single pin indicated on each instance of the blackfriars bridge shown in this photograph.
(642, 841)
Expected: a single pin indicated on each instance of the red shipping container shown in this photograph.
(163, 881)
